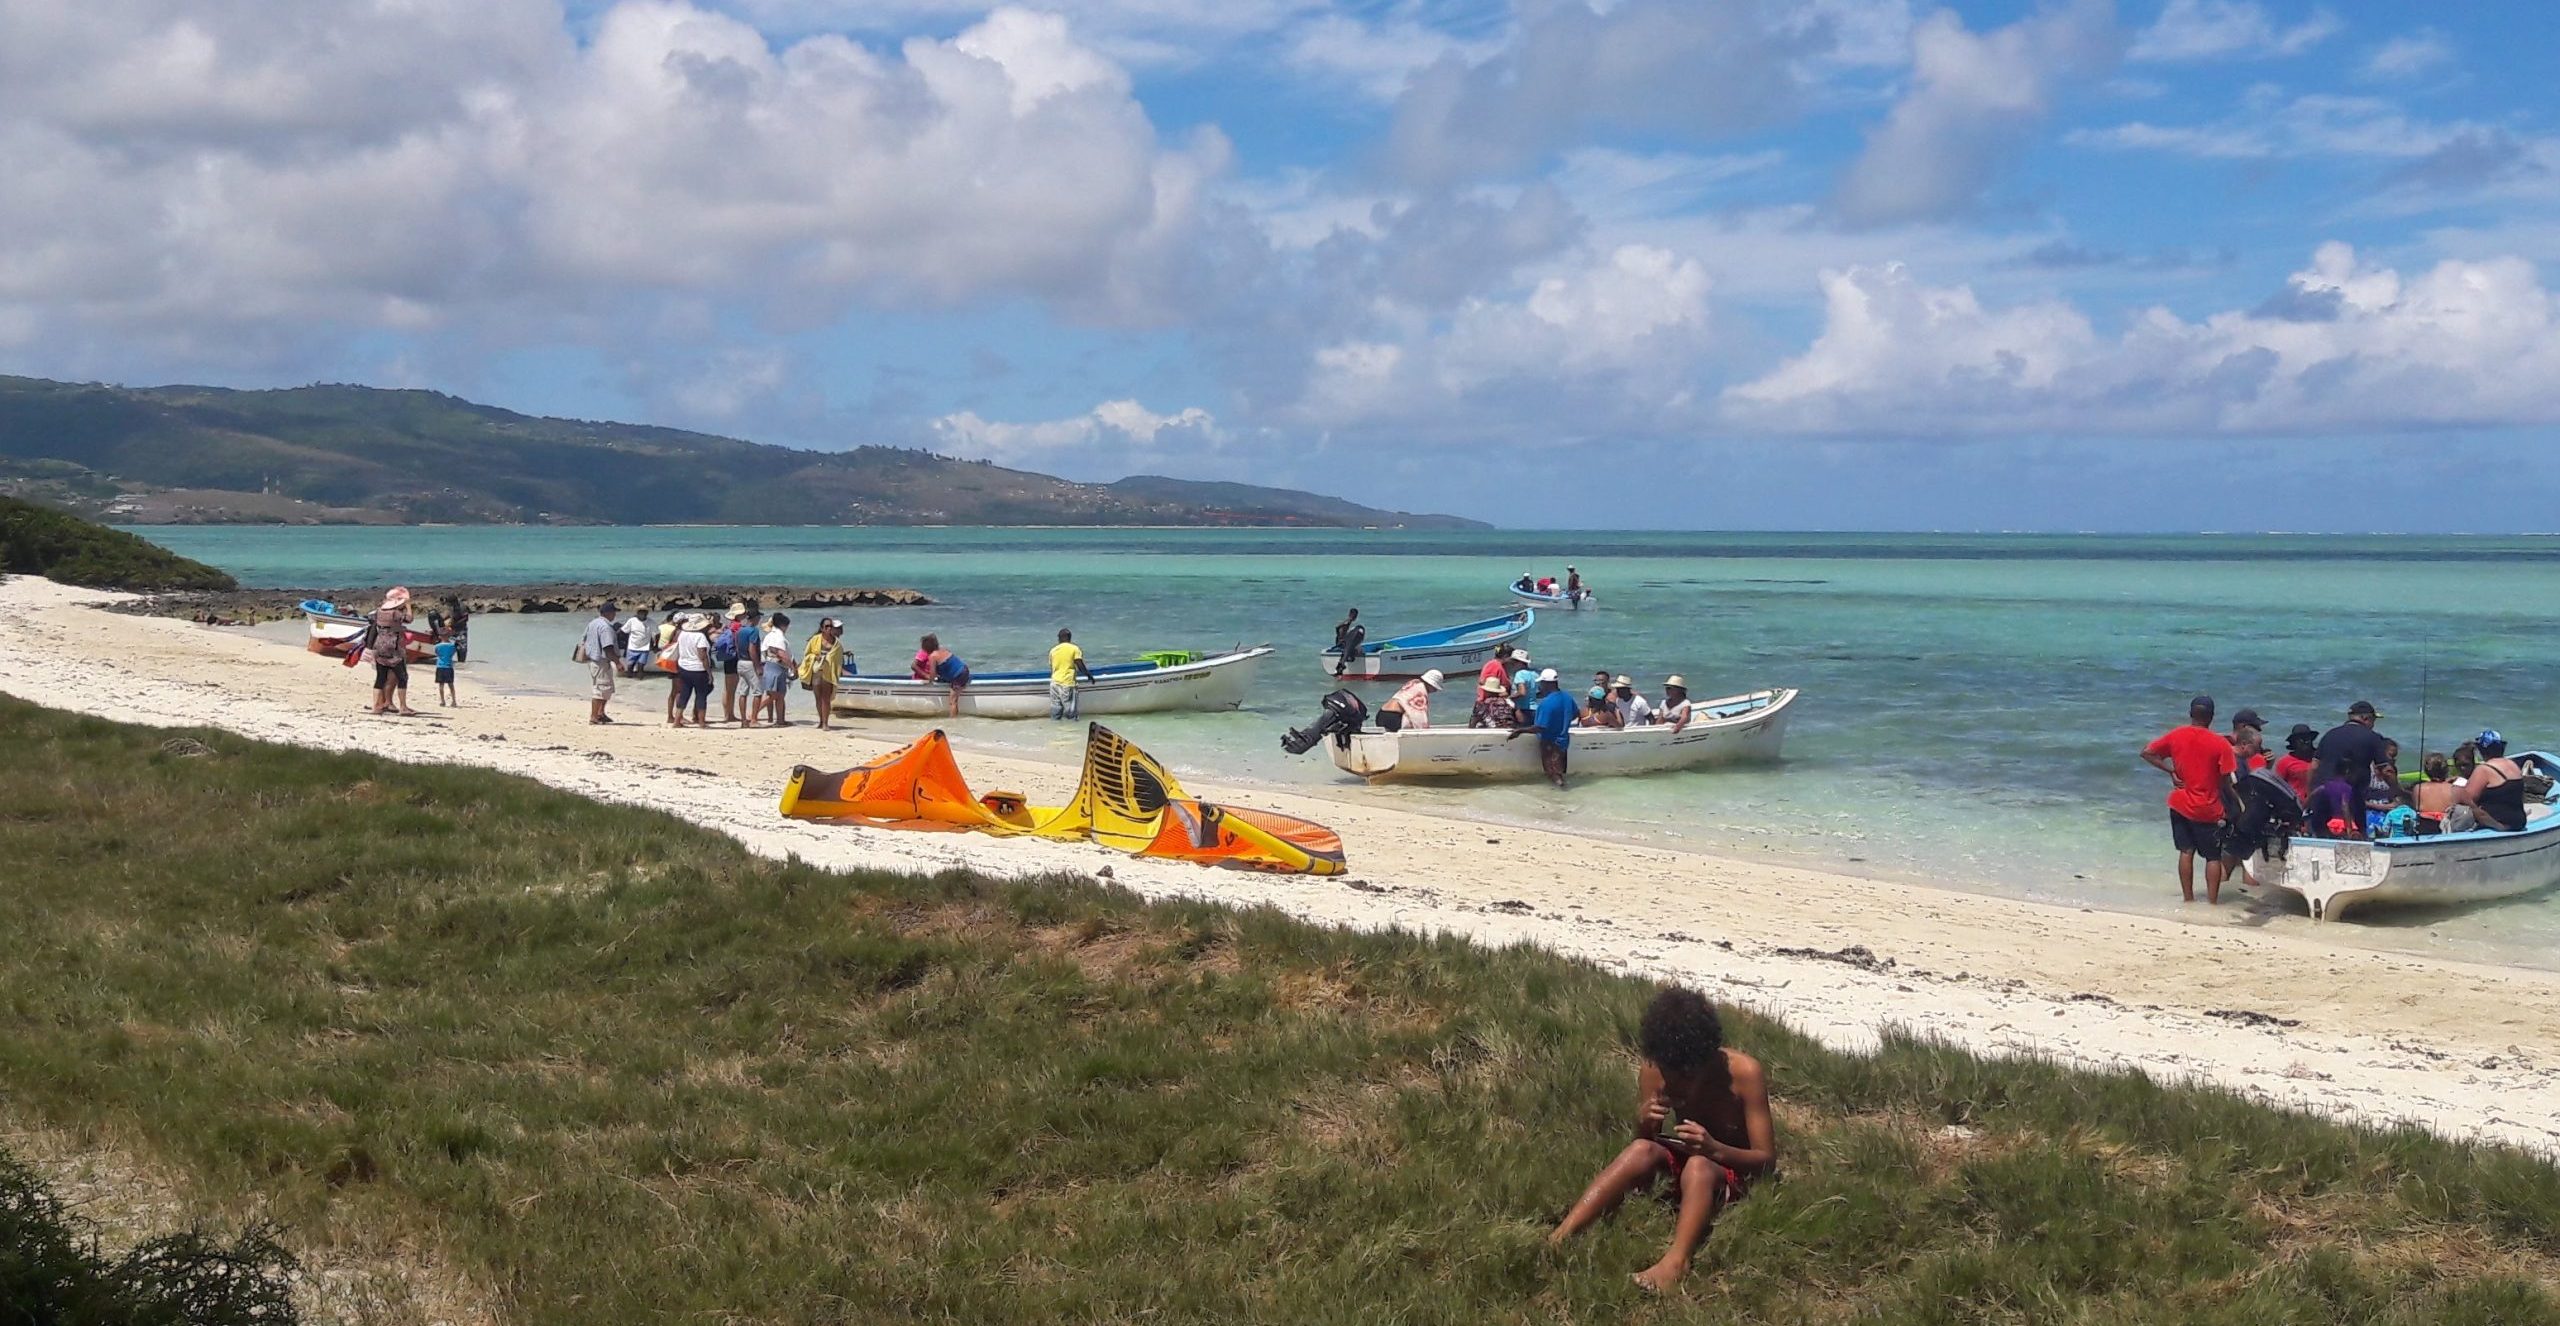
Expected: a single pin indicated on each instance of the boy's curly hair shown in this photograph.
(1680, 1032)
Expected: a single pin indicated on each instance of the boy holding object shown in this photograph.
(1702, 1120)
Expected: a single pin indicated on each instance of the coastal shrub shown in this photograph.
(583, 1063)
(40, 541)
(54, 1271)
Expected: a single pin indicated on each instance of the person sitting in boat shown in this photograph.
(1498, 667)
(1546, 584)
(2466, 757)
(1633, 709)
(1348, 634)
(2495, 790)
(935, 663)
(1526, 584)
(2382, 791)
(1524, 677)
(1675, 703)
(2435, 794)
(1410, 706)
(1493, 704)
(1599, 692)
(1602, 713)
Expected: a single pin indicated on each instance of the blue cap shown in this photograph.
(2489, 738)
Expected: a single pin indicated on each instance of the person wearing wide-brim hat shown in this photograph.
(1493, 707)
(1410, 706)
(693, 669)
(387, 644)
(822, 660)
(1633, 709)
(1675, 702)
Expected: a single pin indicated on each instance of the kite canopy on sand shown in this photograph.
(1123, 799)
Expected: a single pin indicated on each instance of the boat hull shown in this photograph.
(1215, 683)
(1403, 658)
(1737, 729)
(332, 634)
(1562, 602)
(2336, 877)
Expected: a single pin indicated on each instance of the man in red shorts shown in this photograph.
(2202, 762)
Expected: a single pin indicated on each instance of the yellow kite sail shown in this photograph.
(1123, 799)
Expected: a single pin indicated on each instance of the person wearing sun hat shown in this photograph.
(1675, 702)
(1493, 707)
(601, 647)
(1410, 706)
(1633, 709)
(693, 668)
(387, 644)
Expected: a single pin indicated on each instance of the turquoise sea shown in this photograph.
(1972, 707)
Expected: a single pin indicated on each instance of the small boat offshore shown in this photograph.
(1149, 686)
(1450, 649)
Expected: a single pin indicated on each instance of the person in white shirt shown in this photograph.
(693, 668)
(1633, 709)
(1675, 703)
(1410, 706)
(635, 642)
(778, 665)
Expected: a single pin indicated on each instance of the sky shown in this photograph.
(1826, 264)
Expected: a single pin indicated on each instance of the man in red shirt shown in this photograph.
(2202, 762)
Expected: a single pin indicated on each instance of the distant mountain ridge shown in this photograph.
(367, 455)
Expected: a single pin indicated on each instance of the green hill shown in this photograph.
(36, 540)
(343, 454)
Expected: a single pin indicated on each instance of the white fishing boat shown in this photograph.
(1217, 682)
(2336, 875)
(1574, 601)
(1733, 730)
(1451, 649)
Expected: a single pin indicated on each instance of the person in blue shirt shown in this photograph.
(446, 649)
(1554, 726)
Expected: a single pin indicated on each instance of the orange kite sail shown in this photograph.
(1123, 799)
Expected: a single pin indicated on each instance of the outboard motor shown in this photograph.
(2263, 816)
(1343, 714)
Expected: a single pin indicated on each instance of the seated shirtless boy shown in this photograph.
(1702, 1120)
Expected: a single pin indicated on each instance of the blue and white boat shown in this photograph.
(1451, 649)
(1217, 682)
(2334, 875)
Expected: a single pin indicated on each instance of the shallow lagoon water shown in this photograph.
(1972, 708)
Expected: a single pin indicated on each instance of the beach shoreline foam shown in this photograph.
(2284, 1016)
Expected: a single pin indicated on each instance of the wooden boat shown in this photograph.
(2335, 876)
(1452, 649)
(1735, 729)
(1559, 599)
(1217, 682)
(333, 631)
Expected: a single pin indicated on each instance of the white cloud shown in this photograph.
(1378, 58)
(2409, 56)
(2345, 347)
(1972, 99)
(1613, 342)
(1153, 32)
(1669, 69)
(2228, 29)
(230, 176)
(1113, 440)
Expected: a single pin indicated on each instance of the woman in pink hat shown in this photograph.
(388, 643)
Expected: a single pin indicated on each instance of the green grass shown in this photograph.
(614, 1070)
(38, 540)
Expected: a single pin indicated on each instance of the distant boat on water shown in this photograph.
(1450, 649)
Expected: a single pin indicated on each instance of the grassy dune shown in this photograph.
(607, 1068)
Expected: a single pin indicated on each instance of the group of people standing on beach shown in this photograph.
(2342, 783)
(385, 643)
(751, 653)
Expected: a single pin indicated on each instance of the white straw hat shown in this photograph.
(1432, 679)
(1675, 679)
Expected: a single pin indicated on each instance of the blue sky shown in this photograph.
(2156, 264)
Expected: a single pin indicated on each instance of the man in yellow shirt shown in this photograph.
(1066, 663)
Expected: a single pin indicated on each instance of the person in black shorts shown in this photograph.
(2201, 763)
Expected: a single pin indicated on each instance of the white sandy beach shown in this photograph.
(2279, 1011)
